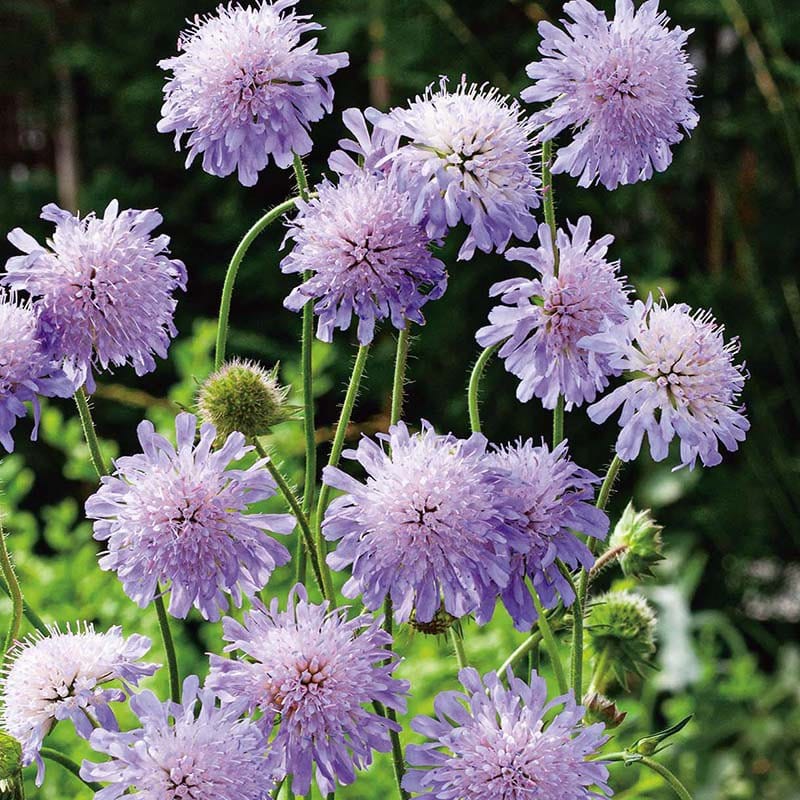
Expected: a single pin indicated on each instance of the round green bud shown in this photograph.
(242, 396)
(441, 623)
(637, 536)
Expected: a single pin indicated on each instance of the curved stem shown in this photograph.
(68, 764)
(233, 270)
(15, 593)
(531, 643)
(604, 560)
(608, 482)
(551, 644)
(475, 385)
(458, 646)
(169, 647)
(670, 777)
(398, 384)
(398, 762)
(338, 446)
(35, 620)
(89, 432)
(598, 681)
(307, 537)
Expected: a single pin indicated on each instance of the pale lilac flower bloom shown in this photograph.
(493, 742)
(103, 287)
(27, 370)
(310, 671)
(64, 676)
(557, 499)
(176, 516)
(467, 155)
(245, 87)
(624, 87)
(368, 150)
(183, 751)
(681, 381)
(431, 527)
(368, 257)
(543, 319)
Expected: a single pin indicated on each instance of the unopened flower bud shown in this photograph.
(638, 538)
(441, 623)
(242, 396)
(600, 708)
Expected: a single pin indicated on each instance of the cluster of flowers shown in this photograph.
(441, 526)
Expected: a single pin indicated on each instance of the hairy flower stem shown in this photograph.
(336, 451)
(528, 646)
(551, 644)
(89, 432)
(307, 537)
(169, 647)
(458, 646)
(601, 667)
(605, 560)
(68, 764)
(672, 779)
(474, 387)
(15, 593)
(558, 421)
(35, 620)
(398, 384)
(233, 270)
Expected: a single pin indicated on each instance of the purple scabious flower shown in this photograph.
(432, 525)
(104, 288)
(467, 155)
(556, 496)
(489, 741)
(368, 150)
(543, 319)
(64, 676)
(682, 381)
(177, 516)
(183, 751)
(27, 370)
(623, 86)
(310, 671)
(368, 257)
(245, 88)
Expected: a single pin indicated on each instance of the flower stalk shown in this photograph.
(473, 400)
(15, 593)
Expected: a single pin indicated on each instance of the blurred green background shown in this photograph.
(79, 99)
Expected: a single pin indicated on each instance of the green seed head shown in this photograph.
(639, 537)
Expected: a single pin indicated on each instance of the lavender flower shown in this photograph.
(104, 288)
(368, 150)
(310, 671)
(624, 87)
(493, 742)
(367, 255)
(544, 319)
(557, 499)
(185, 751)
(177, 515)
(245, 88)
(682, 382)
(467, 155)
(431, 527)
(27, 371)
(64, 676)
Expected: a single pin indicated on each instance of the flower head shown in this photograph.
(489, 741)
(368, 150)
(682, 382)
(467, 155)
(244, 88)
(368, 256)
(623, 86)
(177, 516)
(27, 370)
(104, 288)
(310, 671)
(637, 540)
(64, 676)
(556, 497)
(183, 751)
(543, 319)
(431, 527)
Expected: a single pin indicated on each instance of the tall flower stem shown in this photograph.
(551, 644)
(473, 400)
(336, 450)
(398, 384)
(15, 593)
(549, 197)
(458, 646)
(69, 765)
(530, 644)
(558, 421)
(670, 777)
(35, 620)
(398, 763)
(89, 432)
(169, 647)
(233, 270)
(608, 482)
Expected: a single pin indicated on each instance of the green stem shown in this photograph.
(398, 762)
(475, 385)
(604, 560)
(35, 620)
(398, 384)
(233, 270)
(276, 792)
(68, 764)
(551, 644)
(89, 432)
(549, 197)
(608, 482)
(672, 779)
(458, 646)
(338, 446)
(307, 537)
(558, 421)
(169, 647)
(15, 593)
(598, 681)
(530, 644)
